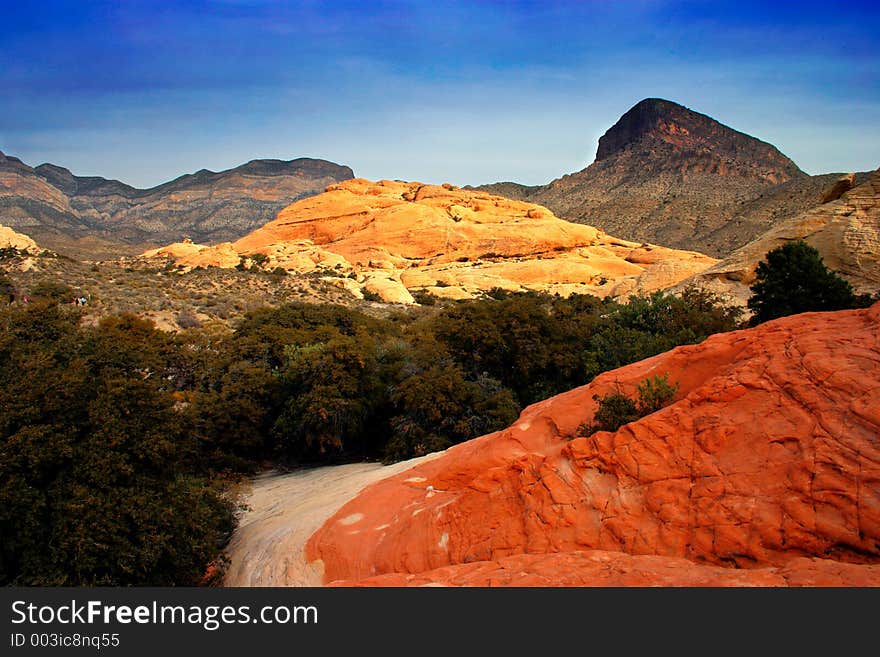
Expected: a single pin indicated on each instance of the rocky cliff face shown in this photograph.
(393, 238)
(765, 470)
(845, 230)
(87, 216)
(668, 175)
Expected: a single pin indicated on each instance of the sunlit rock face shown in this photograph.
(393, 238)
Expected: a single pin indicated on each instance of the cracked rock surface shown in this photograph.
(763, 471)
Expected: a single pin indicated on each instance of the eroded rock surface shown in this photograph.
(765, 470)
(9, 239)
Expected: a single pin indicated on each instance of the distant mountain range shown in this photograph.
(668, 175)
(93, 217)
(663, 174)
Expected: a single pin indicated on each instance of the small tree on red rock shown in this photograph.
(616, 409)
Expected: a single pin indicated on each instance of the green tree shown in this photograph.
(438, 407)
(331, 390)
(793, 279)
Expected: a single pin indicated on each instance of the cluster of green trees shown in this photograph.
(100, 481)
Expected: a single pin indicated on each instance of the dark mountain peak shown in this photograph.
(662, 129)
(645, 118)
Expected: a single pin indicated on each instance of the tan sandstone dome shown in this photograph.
(9, 239)
(392, 238)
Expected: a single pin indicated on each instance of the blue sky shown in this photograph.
(464, 92)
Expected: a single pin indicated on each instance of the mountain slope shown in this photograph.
(89, 215)
(668, 175)
(845, 231)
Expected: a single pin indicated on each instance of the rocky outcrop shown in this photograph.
(393, 238)
(9, 239)
(765, 470)
(87, 216)
(845, 231)
(840, 187)
(668, 175)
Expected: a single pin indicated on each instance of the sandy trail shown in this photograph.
(268, 548)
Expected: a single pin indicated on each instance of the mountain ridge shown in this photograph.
(96, 217)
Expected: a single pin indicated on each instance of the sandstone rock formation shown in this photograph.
(765, 470)
(93, 216)
(9, 239)
(845, 231)
(672, 176)
(392, 238)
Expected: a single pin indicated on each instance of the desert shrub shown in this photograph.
(10, 252)
(7, 288)
(793, 279)
(617, 409)
(655, 393)
(424, 298)
(187, 319)
(369, 295)
(52, 291)
(259, 260)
